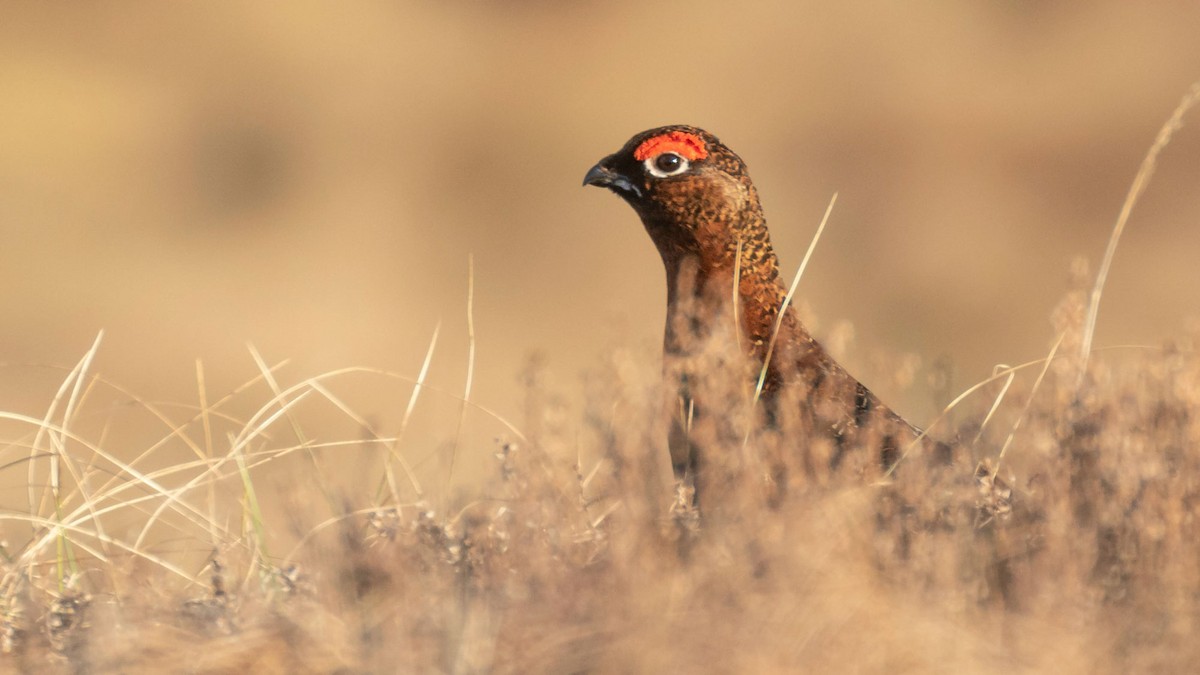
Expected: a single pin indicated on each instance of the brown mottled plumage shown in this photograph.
(697, 202)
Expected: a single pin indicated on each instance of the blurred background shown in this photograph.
(312, 178)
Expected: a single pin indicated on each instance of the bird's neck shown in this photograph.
(701, 278)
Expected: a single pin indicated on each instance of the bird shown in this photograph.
(696, 201)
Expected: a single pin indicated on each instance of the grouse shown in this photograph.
(697, 203)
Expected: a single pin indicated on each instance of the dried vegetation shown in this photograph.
(1063, 539)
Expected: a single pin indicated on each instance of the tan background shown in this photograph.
(312, 178)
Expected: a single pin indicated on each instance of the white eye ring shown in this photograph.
(652, 167)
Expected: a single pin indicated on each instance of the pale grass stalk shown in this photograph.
(1029, 402)
(80, 516)
(75, 400)
(77, 523)
(36, 505)
(691, 418)
(342, 406)
(113, 493)
(592, 474)
(262, 457)
(1140, 181)
(65, 557)
(244, 438)
(318, 472)
(92, 510)
(324, 525)
(133, 472)
(206, 426)
(612, 508)
(177, 430)
(39, 522)
(512, 428)
(787, 300)
(390, 443)
(462, 413)
(316, 384)
(457, 517)
(61, 456)
(258, 458)
(175, 498)
(389, 472)
(253, 513)
(387, 443)
(205, 410)
(995, 403)
(200, 416)
(1005, 373)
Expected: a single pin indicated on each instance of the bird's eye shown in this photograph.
(668, 162)
(665, 165)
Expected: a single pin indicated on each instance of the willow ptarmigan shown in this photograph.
(696, 201)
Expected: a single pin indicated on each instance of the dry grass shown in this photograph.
(1079, 556)
(1079, 552)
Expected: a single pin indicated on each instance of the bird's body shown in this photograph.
(700, 208)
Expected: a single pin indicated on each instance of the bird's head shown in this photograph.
(692, 193)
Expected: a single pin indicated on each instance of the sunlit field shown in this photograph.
(1062, 538)
(318, 359)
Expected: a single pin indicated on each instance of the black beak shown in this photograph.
(602, 176)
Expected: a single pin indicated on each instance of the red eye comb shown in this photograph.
(688, 146)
